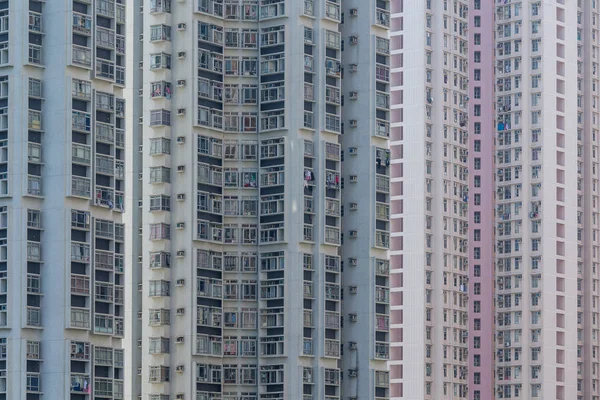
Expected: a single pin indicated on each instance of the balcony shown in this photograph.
(34, 120)
(104, 324)
(34, 317)
(106, 8)
(105, 38)
(332, 207)
(382, 239)
(81, 154)
(80, 318)
(105, 69)
(382, 322)
(332, 11)
(82, 24)
(332, 348)
(209, 346)
(119, 137)
(332, 235)
(81, 121)
(333, 123)
(382, 101)
(80, 383)
(105, 197)
(103, 388)
(307, 347)
(382, 294)
(382, 211)
(80, 351)
(382, 17)
(309, 8)
(332, 291)
(105, 165)
(308, 233)
(120, 44)
(332, 320)
(382, 351)
(104, 260)
(81, 187)
(119, 329)
(35, 22)
(80, 284)
(80, 252)
(120, 75)
(382, 128)
(104, 292)
(82, 56)
(382, 183)
(34, 251)
(119, 170)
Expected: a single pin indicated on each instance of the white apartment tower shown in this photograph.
(263, 266)
(429, 143)
(62, 186)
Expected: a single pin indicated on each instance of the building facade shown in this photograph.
(264, 207)
(532, 119)
(62, 186)
(430, 194)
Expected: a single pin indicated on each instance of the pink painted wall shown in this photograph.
(487, 173)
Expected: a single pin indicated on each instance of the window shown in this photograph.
(160, 175)
(159, 288)
(477, 235)
(477, 92)
(477, 39)
(477, 288)
(477, 270)
(477, 145)
(160, 117)
(477, 378)
(477, 128)
(160, 231)
(477, 21)
(160, 146)
(160, 203)
(477, 253)
(477, 163)
(477, 181)
(477, 342)
(160, 60)
(477, 110)
(477, 360)
(477, 75)
(477, 56)
(477, 306)
(477, 324)
(160, 32)
(477, 199)
(477, 217)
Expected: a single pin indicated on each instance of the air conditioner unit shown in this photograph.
(180, 339)
(139, 314)
(353, 151)
(179, 396)
(354, 12)
(141, 120)
(353, 95)
(181, 54)
(139, 371)
(353, 67)
(353, 317)
(353, 262)
(181, 111)
(181, 196)
(140, 259)
(352, 373)
(180, 311)
(181, 82)
(353, 289)
(353, 234)
(140, 92)
(140, 287)
(141, 37)
(180, 225)
(353, 206)
(181, 26)
(140, 176)
(140, 203)
(179, 368)
(353, 178)
(353, 39)
(352, 345)
(181, 168)
(139, 343)
(180, 282)
(181, 253)
(141, 148)
(180, 139)
(353, 123)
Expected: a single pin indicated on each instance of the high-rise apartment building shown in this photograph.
(430, 193)
(531, 123)
(62, 162)
(263, 172)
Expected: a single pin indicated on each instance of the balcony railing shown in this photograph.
(105, 197)
(382, 239)
(332, 235)
(332, 348)
(104, 260)
(80, 284)
(209, 346)
(82, 56)
(332, 207)
(382, 183)
(105, 69)
(34, 251)
(332, 320)
(81, 154)
(81, 187)
(103, 323)
(119, 137)
(82, 24)
(382, 351)
(34, 120)
(105, 37)
(105, 165)
(382, 17)
(34, 316)
(80, 252)
(382, 211)
(80, 383)
(80, 318)
(382, 128)
(81, 121)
